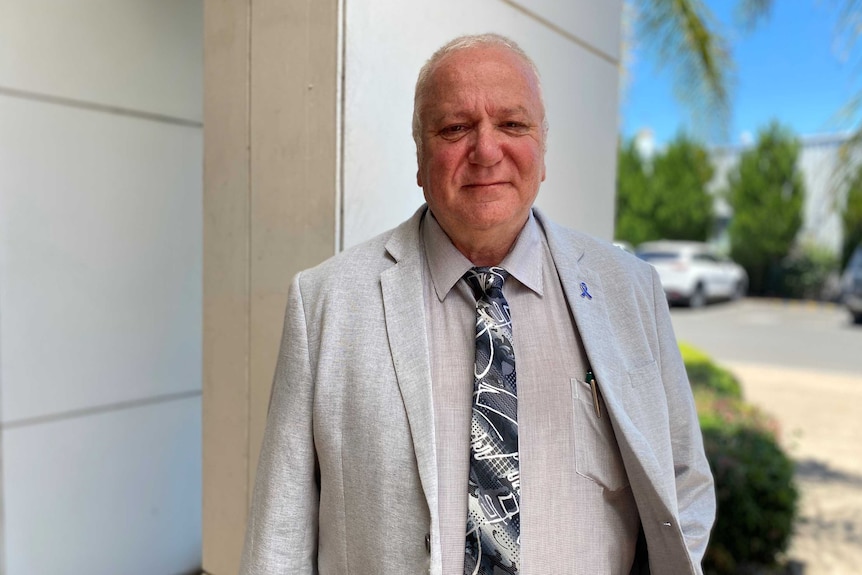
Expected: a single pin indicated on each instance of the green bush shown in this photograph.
(703, 373)
(756, 496)
(755, 489)
(805, 272)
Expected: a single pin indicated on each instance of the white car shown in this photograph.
(693, 273)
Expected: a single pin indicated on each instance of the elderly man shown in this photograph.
(480, 391)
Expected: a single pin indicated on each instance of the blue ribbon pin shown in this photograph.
(585, 292)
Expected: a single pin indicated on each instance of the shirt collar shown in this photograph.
(448, 265)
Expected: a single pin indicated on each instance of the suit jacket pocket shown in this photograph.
(597, 455)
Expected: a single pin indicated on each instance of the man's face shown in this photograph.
(482, 154)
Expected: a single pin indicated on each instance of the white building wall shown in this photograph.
(100, 286)
(819, 162)
(575, 46)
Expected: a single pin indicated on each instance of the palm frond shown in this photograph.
(686, 38)
(749, 13)
(848, 31)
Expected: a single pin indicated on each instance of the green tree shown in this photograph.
(766, 192)
(634, 202)
(683, 206)
(851, 217)
(667, 199)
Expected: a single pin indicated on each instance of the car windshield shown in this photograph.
(658, 256)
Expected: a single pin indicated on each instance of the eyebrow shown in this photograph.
(459, 115)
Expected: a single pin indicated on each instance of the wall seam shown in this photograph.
(2, 471)
(340, 121)
(99, 409)
(96, 107)
(249, 253)
(563, 32)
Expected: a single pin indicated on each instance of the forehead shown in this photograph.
(466, 76)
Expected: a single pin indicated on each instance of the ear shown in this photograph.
(419, 177)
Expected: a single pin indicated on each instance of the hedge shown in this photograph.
(756, 493)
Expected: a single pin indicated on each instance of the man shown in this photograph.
(480, 390)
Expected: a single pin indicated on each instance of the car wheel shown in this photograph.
(697, 298)
(857, 317)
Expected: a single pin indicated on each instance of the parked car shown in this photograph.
(694, 273)
(851, 285)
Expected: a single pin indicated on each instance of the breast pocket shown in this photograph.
(597, 455)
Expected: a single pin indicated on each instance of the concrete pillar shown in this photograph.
(271, 208)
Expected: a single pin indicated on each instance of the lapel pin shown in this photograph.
(585, 292)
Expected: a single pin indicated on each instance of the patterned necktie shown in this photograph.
(494, 498)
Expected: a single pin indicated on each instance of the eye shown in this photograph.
(515, 126)
(454, 131)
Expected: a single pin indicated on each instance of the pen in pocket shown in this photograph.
(594, 386)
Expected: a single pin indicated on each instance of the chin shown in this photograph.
(488, 216)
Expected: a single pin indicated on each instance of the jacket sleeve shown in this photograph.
(695, 493)
(281, 536)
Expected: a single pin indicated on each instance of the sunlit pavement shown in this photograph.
(821, 425)
(802, 363)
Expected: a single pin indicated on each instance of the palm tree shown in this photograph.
(688, 39)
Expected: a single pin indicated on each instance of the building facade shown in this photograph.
(101, 147)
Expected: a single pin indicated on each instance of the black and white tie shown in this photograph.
(494, 499)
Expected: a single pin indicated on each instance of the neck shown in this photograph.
(484, 258)
(485, 248)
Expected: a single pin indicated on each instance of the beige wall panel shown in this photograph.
(271, 212)
(381, 64)
(226, 283)
(294, 172)
(143, 55)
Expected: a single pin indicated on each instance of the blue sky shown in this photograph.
(789, 68)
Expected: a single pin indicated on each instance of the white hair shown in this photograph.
(464, 43)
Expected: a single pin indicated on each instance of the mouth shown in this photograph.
(484, 184)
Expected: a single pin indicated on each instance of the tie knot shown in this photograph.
(486, 281)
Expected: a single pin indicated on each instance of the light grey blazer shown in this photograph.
(347, 480)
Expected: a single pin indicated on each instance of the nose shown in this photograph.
(486, 149)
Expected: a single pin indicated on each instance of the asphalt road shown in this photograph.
(816, 337)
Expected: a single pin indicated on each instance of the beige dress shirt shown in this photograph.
(578, 515)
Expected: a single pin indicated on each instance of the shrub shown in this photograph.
(755, 490)
(703, 373)
(806, 272)
(756, 497)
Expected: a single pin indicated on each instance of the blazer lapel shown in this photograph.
(404, 311)
(605, 350)
(583, 289)
(586, 297)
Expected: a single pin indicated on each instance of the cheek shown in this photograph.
(444, 163)
(531, 164)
